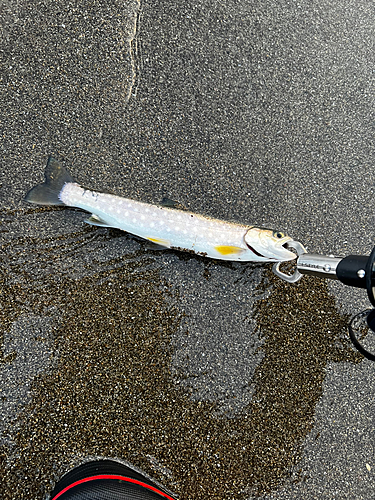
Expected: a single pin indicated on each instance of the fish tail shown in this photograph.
(48, 192)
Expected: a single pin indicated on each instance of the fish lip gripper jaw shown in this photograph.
(350, 270)
(300, 250)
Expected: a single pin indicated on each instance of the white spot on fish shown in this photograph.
(152, 224)
(134, 220)
(126, 213)
(143, 217)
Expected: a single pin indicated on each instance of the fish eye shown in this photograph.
(278, 234)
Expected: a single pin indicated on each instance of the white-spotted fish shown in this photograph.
(166, 226)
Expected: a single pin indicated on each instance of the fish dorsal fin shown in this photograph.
(168, 203)
(95, 220)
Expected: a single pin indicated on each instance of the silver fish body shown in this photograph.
(168, 227)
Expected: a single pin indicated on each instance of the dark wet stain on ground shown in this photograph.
(302, 332)
(108, 390)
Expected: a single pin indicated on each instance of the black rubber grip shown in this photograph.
(347, 270)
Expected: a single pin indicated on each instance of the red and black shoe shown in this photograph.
(108, 480)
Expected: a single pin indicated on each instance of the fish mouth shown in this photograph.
(278, 252)
(283, 252)
(268, 246)
(256, 252)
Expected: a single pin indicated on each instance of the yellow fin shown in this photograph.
(229, 250)
(160, 241)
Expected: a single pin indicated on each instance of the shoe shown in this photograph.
(108, 480)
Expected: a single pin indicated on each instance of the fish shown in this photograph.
(164, 225)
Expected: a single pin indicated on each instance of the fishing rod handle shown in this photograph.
(350, 270)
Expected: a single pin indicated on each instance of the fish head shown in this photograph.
(269, 244)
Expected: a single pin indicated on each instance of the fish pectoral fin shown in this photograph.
(94, 220)
(229, 250)
(168, 203)
(160, 242)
